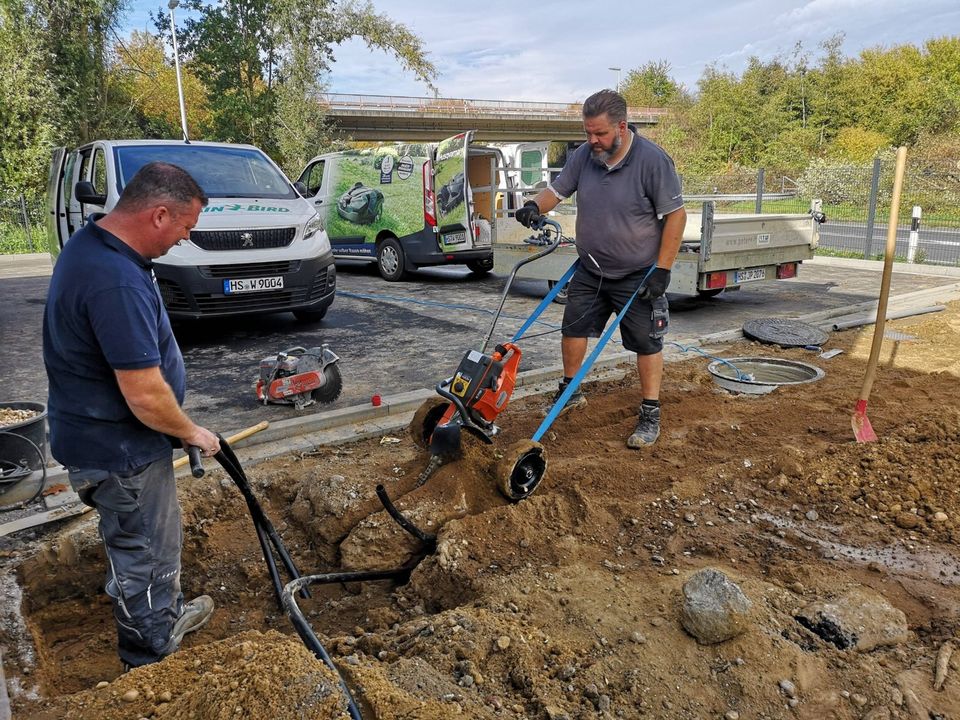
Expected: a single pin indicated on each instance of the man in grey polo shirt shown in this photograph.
(630, 221)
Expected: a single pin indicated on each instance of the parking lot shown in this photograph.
(396, 337)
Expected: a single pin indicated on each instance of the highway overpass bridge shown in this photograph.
(383, 117)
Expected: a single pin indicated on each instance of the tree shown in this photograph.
(651, 85)
(263, 63)
(27, 102)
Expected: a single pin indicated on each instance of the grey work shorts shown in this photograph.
(592, 300)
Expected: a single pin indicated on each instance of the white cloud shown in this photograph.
(561, 51)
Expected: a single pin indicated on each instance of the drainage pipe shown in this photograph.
(895, 315)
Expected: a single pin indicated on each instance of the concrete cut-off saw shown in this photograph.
(300, 377)
(480, 390)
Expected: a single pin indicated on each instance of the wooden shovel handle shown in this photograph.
(180, 462)
(889, 252)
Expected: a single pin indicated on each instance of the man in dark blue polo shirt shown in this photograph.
(630, 221)
(117, 381)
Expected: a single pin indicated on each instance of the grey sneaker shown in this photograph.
(648, 428)
(195, 615)
(576, 400)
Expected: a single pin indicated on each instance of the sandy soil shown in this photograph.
(566, 604)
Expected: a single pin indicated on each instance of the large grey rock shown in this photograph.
(859, 619)
(714, 607)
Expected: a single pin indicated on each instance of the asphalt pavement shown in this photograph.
(397, 337)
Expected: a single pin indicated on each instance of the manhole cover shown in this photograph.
(784, 332)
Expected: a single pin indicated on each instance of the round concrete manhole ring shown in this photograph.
(760, 375)
(784, 332)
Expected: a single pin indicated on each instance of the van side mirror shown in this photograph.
(300, 188)
(85, 192)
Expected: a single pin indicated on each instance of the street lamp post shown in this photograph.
(617, 71)
(176, 61)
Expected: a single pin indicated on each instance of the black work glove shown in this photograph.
(528, 214)
(656, 284)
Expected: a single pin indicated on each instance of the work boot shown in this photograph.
(648, 427)
(575, 400)
(195, 615)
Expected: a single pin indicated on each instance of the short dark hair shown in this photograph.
(160, 182)
(608, 102)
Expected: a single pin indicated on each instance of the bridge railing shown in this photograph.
(344, 102)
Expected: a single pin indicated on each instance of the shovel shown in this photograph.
(862, 429)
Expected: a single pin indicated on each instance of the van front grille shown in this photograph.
(261, 239)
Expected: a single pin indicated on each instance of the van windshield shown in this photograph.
(222, 172)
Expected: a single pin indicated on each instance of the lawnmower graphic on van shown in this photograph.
(360, 205)
(379, 204)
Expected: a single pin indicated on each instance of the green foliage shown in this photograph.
(857, 145)
(650, 85)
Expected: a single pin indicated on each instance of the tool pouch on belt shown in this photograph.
(660, 317)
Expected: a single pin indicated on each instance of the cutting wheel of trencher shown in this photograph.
(425, 420)
(332, 385)
(521, 469)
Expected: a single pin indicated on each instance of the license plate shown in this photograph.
(455, 238)
(752, 274)
(261, 284)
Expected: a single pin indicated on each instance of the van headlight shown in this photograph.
(314, 224)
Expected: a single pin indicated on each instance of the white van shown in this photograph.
(406, 206)
(258, 247)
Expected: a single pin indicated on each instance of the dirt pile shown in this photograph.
(569, 603)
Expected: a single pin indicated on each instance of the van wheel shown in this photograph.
(390, 260)
(309, 316)
(561, 297)
(480, 267)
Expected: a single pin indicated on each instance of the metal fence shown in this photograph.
(22, 227)
(856, 201)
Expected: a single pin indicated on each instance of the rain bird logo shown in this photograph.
(247, 239)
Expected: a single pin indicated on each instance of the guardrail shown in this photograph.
(468, 106)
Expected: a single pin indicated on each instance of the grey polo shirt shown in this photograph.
(620, 210)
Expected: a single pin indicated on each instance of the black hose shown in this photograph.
(43, 475)
(266, 533)
(402, 520)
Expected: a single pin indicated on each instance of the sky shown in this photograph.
(562, 50)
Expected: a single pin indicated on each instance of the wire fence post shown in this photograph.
(872, 209)
(759, 204)
(26, 221)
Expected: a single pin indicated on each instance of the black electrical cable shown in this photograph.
(43, 474)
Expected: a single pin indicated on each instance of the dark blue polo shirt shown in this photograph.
(104, 313)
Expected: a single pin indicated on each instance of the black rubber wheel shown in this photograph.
(521, 469)
(425, 421)
(561, 298)
(332, 386)
(309, 316)
(712, 292)
(390, 260)
(480, 267)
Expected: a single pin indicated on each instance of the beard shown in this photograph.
(601, 156)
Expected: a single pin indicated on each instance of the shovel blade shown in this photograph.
(862, 429)
(445, 441)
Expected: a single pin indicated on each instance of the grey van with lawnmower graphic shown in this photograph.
(380, 204)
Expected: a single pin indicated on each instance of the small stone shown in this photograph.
(731, 715)
(812, 515)
(788, 688)
(940, 516)
(466, 681)
(793, 702)
(796, 587)
(591, 691)
(130, 696)
(603, 703)
(858, 700)
(657, 621)
(503, 642)
(690, 518)
(102, 684)
(845, 694)
(907, 520)
(165, 696)
(637, 637)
